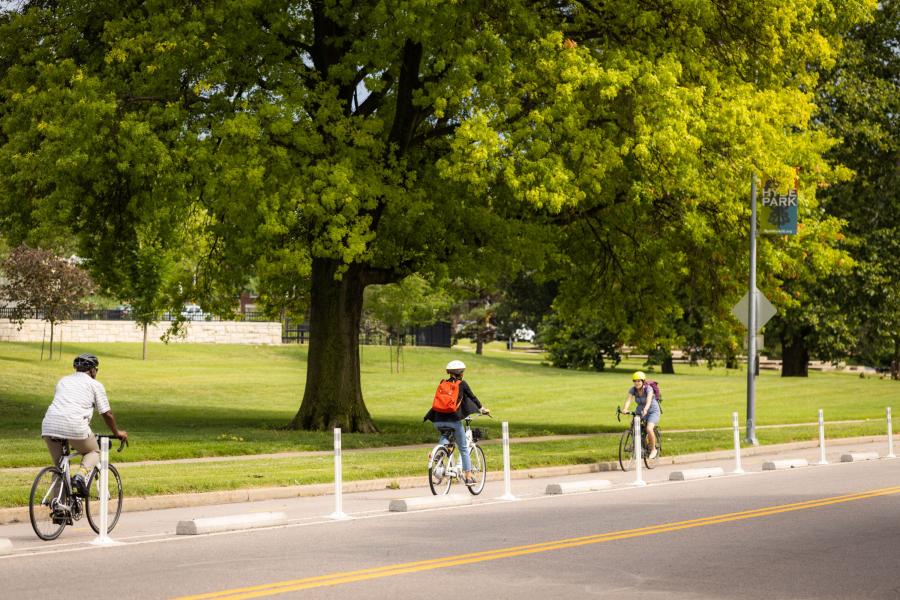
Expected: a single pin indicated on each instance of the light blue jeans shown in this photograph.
(462, 443)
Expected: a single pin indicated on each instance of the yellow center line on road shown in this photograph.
(271, 589)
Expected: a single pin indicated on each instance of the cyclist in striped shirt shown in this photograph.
(69, 417)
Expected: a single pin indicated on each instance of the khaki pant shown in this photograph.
(88, 448)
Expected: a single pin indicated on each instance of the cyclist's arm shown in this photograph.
(627, 403)
(467, 392)
(111, 423)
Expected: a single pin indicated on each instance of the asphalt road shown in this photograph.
(827, 531)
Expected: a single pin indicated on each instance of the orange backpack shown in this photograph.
(446, 398)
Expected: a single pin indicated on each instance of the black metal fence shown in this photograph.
(438, 334)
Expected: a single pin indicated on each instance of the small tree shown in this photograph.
(410, 303)
(37, 281)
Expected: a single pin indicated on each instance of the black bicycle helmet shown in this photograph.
(86, 362)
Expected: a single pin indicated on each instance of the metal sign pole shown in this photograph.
(751, 324)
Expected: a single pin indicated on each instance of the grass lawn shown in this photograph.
(222, 400)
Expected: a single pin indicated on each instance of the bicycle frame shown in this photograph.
(65, 490)
(454, 469)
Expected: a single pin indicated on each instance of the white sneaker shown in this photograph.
(653, 454)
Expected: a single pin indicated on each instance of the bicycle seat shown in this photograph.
(448, 431)
(64, 442)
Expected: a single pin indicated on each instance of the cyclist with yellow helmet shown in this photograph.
(646, 405)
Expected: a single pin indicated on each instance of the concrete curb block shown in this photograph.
(573, 487)
(426, 502)
(696, 474)
(858, 456)
(5, 546)
(230, 523)
(787, 463)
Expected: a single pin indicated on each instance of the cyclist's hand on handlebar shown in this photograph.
(122, 435)
(484, 410)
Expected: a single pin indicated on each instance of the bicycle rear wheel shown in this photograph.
(626, 450)
(651, 462)
(115, 496)
(47, 504)
(479, 470)
(439, 476)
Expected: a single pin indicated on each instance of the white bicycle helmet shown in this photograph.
(456, 367)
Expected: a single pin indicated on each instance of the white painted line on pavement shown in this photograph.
(696, 474)
(574, 487)
(5, 546)
(230, 523)
(787, 463)
(858, 456)
(426, 502)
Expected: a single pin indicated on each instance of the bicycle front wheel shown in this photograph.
(440, 476)
(114, 500)
(626, 450)
(47, 504)
(479, 470)
(651, 462)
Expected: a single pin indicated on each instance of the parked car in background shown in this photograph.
(524, 334)
(192, 312)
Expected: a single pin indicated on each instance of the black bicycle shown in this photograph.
(627, 454)
(53, 503)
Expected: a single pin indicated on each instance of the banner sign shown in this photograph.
(778, 212)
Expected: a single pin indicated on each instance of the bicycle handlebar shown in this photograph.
(473, 415)
(122, 443)
(620, 412)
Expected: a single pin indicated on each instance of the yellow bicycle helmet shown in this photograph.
(639, 375)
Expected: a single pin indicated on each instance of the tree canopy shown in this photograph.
(355, 143)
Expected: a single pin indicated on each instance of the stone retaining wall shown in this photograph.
(209, 332)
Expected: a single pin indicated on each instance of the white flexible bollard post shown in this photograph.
(737, 443)
(822, 459)
(638, 452)
(507, 486)
(890, 432)
(103, 538)
(338, 513)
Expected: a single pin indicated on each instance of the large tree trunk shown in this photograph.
(794, 356)
(668, 365)
(333, 396)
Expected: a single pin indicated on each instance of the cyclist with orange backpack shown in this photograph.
(646, 405)
(453, 402)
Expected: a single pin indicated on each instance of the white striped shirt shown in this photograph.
(69, 415)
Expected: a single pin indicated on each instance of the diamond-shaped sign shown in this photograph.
(764, 310)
